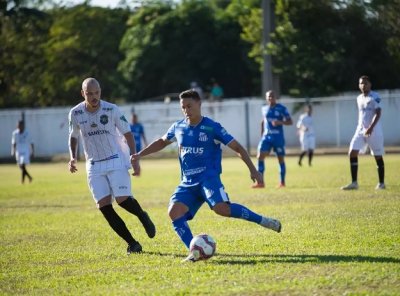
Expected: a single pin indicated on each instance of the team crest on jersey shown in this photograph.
(276, 113)
(190, 133)
(93, 125)
(103, 119)
(203, 137)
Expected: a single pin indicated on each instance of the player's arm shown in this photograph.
(242, 153)
(375, 119)
(154, 147)
(130, 140)
(13, 149)
(72, 144)
(262, 127)
(284, 121)
(32, 150)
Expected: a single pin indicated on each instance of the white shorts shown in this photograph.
(23, 157)
(307, 142)
(374, 142)
(115, 183)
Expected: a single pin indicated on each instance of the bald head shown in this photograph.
(91, 92)
(90, 82)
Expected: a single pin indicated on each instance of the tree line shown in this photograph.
(318, 48)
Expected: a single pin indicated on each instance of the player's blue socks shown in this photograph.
(261, 166)
(282, 172)
(182, 229)
(241, 212)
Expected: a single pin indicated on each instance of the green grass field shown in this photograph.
(55, 242)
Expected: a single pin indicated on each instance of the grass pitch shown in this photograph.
(55, 242)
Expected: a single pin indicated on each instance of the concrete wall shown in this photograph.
(335, 119)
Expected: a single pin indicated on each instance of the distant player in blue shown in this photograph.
(199, 141)
(137, 130)
(275, 116)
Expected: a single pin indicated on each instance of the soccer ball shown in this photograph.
(202, 247)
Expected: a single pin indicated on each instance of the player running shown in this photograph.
(199, 141)
(101, 125)
(275, 116)
(368, 132)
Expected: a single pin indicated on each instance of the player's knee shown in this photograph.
(105, 201)
(177, 210)
(121, 199)
(222, 209)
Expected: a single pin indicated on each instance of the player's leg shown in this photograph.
(120, 183)
(101, 192)
(183, 206)
(375, 142)
(311, 148)
(25, 172)
(218, 200)
(262, 151)
(303, 149)
(356, 144)
(302, 154)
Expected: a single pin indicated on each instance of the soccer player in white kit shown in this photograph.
(107, 142)
(368, 132)
(22, 149)
(305, 128)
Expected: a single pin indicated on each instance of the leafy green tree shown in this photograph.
(167, 46)
(23, 31)
(83, 41)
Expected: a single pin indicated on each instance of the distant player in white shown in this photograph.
(22, 149)
(107, 142)
(305, 127)
(368, 132)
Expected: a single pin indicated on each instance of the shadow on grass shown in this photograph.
(241, 259)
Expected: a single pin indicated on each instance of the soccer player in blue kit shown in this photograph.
(199, 141)
(275, 116)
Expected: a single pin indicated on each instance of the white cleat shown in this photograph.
(272, 224)
(351, 186)
(190, 258)
(380, 186)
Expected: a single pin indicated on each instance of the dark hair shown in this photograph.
(365, 77)
(190, 94)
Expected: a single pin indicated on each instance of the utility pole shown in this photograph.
(269, 80)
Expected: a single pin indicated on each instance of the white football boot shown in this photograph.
(272, 224)
(351, 186)
(380, 186)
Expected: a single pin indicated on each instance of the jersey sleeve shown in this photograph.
(221, 135)
(285, 113)
(170, 134)
(73, 126)
(377, 100)
(120, 121)
(300, 121)
(13, 140)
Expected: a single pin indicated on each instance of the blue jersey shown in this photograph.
(137, 131)
(199, 149)
(277, 112)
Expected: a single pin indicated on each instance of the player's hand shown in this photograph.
(135, 165)
(257, 177)
(276, 122)
(368, 132)
(72, 166)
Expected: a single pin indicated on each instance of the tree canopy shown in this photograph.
(318, 48)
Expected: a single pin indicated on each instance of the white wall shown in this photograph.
(335, 119)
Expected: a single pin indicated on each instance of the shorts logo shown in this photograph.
(103, 119)
(203, 137)
(209, 193)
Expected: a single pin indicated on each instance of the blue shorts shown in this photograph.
(272, 142)
(210, 191)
